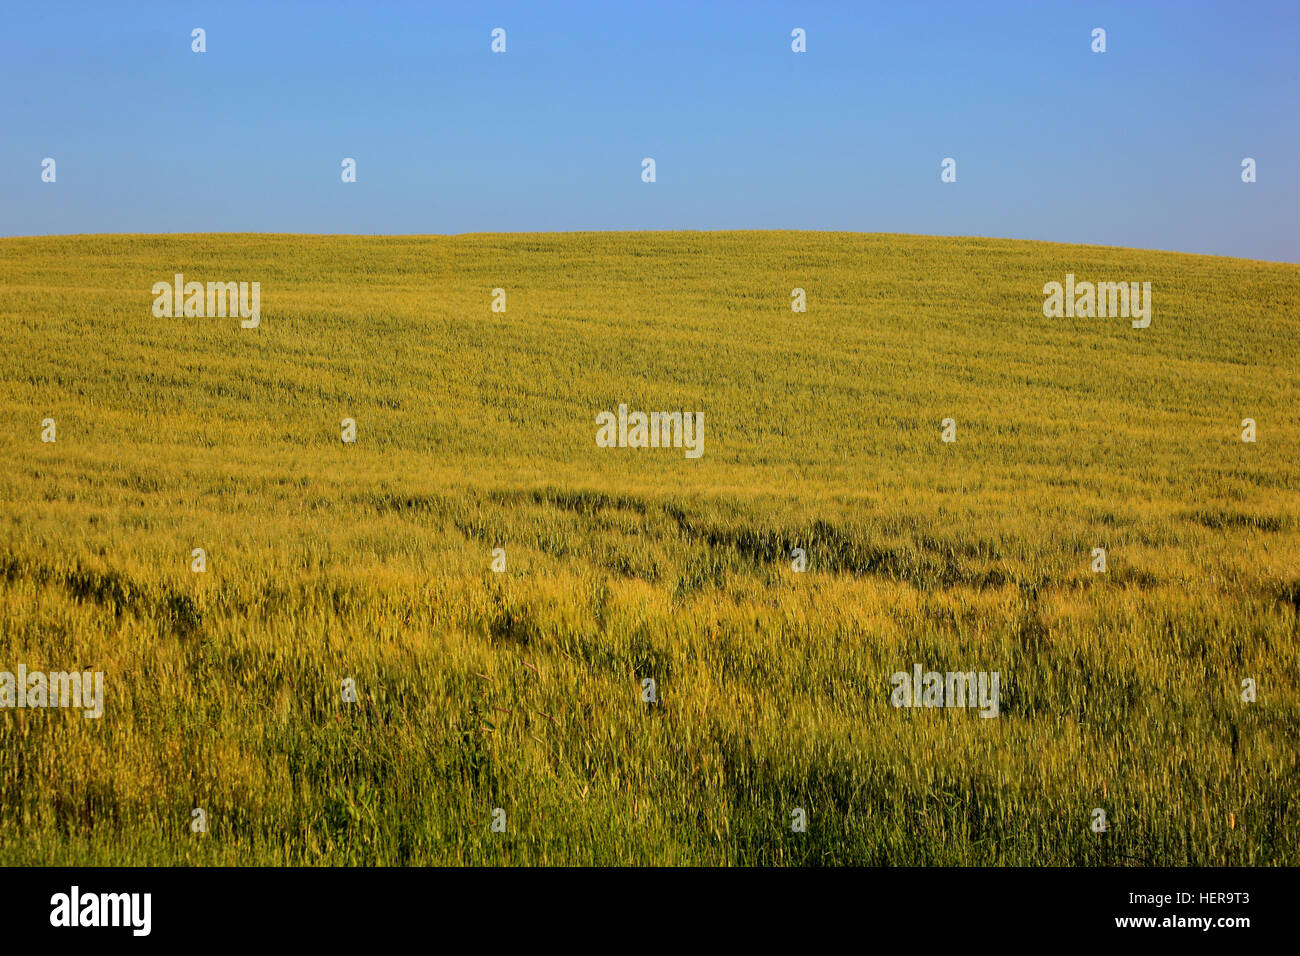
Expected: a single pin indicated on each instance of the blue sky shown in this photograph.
(1139, 146)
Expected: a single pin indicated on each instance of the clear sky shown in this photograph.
(1139, 146)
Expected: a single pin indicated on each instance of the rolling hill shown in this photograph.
(525, 689)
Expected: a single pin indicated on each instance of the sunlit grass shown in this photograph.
(522, 690)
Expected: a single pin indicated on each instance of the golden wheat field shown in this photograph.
(518, 697)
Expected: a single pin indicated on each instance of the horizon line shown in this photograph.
(623, 232)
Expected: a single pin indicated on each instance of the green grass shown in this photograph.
(521, 690)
